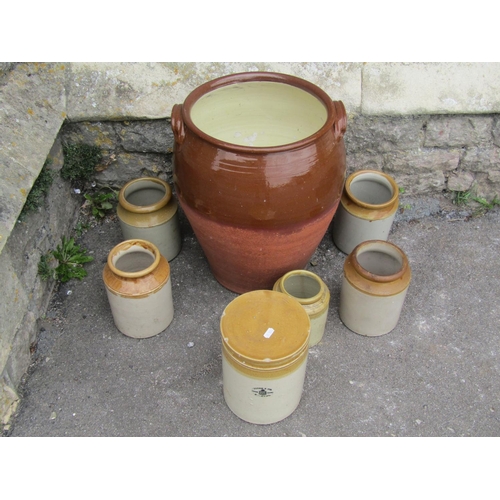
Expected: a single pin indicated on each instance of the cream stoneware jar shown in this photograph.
(312, 294)
(148, 211)
(138, 285)
(367, 208)
(265, 339)
(374, 285)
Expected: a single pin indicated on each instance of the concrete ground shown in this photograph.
(436, 374)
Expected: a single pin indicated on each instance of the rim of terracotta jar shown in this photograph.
(137, 184)
(128, 246)
(259, 76)
(302, 274)
(384, 247)
(378, 177)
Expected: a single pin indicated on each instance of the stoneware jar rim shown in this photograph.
(302, 272)
(372, 206)
(364, 246)
(126, 245)
(141, 209)
(259, 76)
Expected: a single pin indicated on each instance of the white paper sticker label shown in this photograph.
(269, 332)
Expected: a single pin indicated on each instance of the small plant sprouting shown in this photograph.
(80, 161)
(488, 205)
(39, 190)
(462, 197)
(100, 203)
(45, 270)
(80, 228)
(402, 190)
(70, 258)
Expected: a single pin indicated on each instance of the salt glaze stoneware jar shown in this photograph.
(259, 166)
(374, 285)
(312, 294)
(148, 211)
(367, 209)
(265, 340)
(138, 285)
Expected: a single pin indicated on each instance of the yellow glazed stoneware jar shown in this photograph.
(312, 294)
(138, 285)
(376, 278)
(148, 211)
(265, 340)
(367, 208)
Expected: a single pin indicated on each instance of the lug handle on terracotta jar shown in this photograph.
(178, 124)
(340, 124)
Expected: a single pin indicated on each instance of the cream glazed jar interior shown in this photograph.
(372, 188)
(259, 114)
(380, 259)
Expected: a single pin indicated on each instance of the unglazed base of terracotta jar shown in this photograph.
(367, 209)
(265, 338)
(374, 286)
(259, 166)
(312, 294)
(243, 259)
(139, 290)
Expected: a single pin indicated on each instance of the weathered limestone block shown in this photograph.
(494, 177)
(495, 132)
(128, 166)
(12, 310)
(9, 401)
(460, 181)
(421, 160)
(458, 131)
(363, 161)
(430, 88)
(28, 296)
(481, 159)
(384, 133)
(146, 136)
(101, 134)
(140, 91)
(421, 170)
(32, 109)
(424, 183)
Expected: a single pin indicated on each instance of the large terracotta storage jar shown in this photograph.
(259, 167)
(265, 340)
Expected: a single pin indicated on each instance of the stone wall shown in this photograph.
(430, 153)
(426, 154)
(433, 126)
(24, 296)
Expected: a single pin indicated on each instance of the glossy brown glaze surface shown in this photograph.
(268, 193)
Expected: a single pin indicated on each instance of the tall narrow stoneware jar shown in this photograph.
(259, 166)
(310, 291)
(367, 209)
(265, 340)
(376, 278)
(138, 285)
(147, 210)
